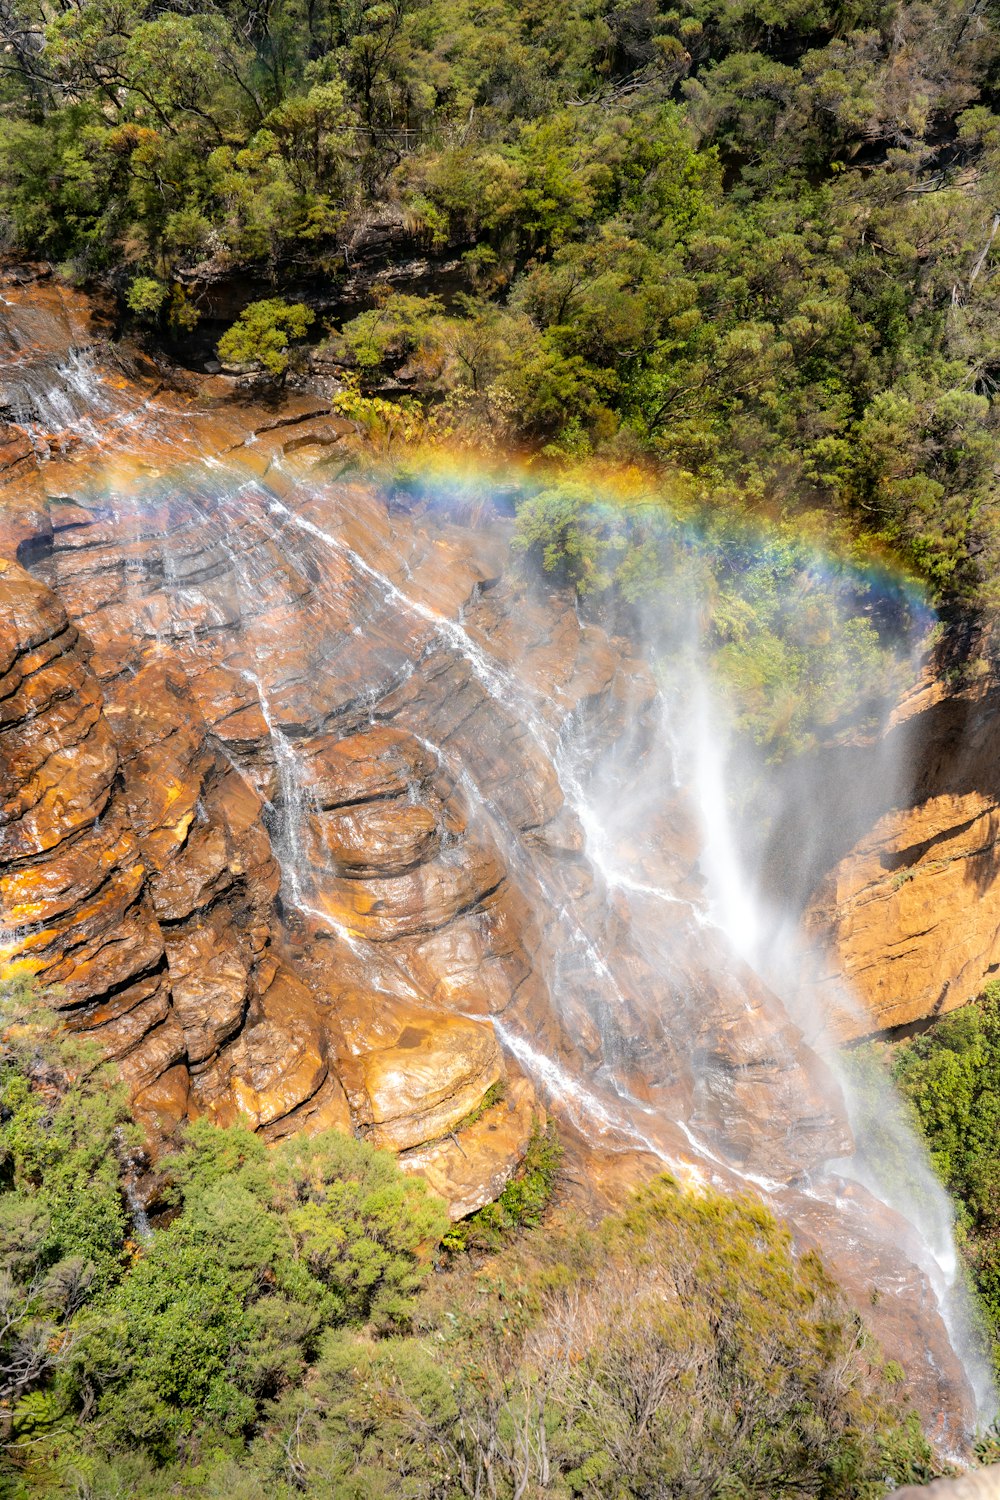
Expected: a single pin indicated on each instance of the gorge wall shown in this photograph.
(898, 877)
(298, 821)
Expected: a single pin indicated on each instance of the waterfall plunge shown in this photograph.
(772, 943)
(698, 749)
(629, 1100)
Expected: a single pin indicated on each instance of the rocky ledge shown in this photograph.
(901, 891)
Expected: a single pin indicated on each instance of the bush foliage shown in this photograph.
(753, 245)
(280, 1334)
(949, 1078)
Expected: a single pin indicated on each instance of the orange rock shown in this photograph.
(434, 1075)
(278, 1066)
(356, 676)
(471, 1167)
(15, 448)
(74, 903)
(909, 914)
(419, 901)
(377, 838)
(380, 762)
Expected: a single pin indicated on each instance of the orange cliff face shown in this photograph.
(902, 890)
(138, 882)
(76, 905)
(273, 675)
(286, 824)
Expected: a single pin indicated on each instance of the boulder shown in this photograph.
(472, 1165)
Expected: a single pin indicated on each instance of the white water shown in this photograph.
(698, 745)
(498, 683)
(585, 1107)
(778, 952)
(697, 749)
(695, 754)
(137, 1209)
(69, 400)
(582, 1104)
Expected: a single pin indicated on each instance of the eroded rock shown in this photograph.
(470, 1167)
(285, 811)
(74, 901)
(905, 911)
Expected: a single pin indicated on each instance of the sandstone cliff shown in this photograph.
(901, 888)
(291, 823)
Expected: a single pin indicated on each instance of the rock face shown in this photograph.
(144, 775)
(76, 906)
(902, 895)
(141, 778)
(299, 787)
(323, 734)
(139, 879)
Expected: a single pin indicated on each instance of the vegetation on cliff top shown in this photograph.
(281, 1334)
(753, 244)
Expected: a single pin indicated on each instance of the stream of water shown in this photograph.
(694, 753)
(630, 917)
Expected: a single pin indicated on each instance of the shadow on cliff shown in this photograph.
(819, 806)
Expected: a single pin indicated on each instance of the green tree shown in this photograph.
(146, 297)
(949, 1078)
(262, 334)
(64, 1127)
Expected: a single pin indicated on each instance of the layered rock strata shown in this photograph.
(294, 775)
(313, 679)
(74, 899)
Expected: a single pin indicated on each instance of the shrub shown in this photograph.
(950, 1078)
(523, 1200)
(145, 297)
(262, 334)
(281, 1334)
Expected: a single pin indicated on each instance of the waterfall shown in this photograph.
(128, 1161)
(636, 945)
(773, 945)
(70, 397)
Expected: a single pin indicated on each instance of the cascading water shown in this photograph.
(598, 1108)
(642, 958)
(691, 757)
(72, 397)
(137, 1209)
(900, 1176)
(698, 753)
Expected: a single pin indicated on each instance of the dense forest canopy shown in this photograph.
(751, 242)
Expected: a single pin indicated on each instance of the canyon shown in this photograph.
(318, 813)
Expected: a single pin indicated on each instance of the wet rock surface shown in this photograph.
(75, 904)
(295, 785)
